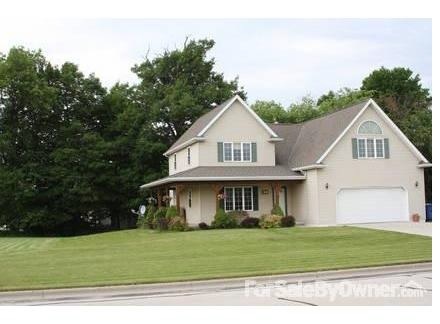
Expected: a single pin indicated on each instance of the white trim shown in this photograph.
(275, 139)
(203, 179)
(425, 165)
(309, 167)
(183, 145)
(237, 97)
(390, 123)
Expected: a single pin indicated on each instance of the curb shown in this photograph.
(106, 292)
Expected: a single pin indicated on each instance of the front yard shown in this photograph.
(143, 256)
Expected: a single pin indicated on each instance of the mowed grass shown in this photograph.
(143, 256)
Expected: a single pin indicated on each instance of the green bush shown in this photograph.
(276, 210)
(288, 221)
(270, 221)
(149, 216)
(141, 222)
(177, 223)
(223, 220)
(160, 221)
(239, 215)
(250, 222)
(203, 226)
(171, 212)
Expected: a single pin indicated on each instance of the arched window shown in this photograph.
(369, 128)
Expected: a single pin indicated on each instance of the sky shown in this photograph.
(275, 59)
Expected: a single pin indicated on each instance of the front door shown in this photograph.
(283, 200)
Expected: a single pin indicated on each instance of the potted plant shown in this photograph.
(416, 218)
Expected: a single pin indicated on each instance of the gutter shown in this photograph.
(309, 167)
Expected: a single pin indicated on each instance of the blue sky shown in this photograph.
(275, 59)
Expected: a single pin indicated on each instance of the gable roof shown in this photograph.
(198, 129)
(307, 144)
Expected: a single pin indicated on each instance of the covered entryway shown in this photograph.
(371, 205)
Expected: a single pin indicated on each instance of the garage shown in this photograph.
(371, 205)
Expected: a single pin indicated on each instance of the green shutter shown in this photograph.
(254, 152)
(255, 197)
(386, 144)
(354, 147)
(220, 151)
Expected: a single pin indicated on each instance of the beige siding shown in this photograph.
(237, 124)
(182, 159)
(342, 171)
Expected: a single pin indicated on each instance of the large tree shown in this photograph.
(180, 85)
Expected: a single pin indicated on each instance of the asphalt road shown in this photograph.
(405, 286)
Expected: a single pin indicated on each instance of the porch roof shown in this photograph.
(231, 173)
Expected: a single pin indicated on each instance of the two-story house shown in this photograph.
(350, 166)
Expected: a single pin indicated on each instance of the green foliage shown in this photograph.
(203, 226)
(276, 210)
(270, 111)
(177, 223)
(270, 221)
(223, 220)
(288, 221)
(238, 215)
(342, 98)
(171, 212)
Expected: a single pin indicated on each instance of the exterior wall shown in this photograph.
(342, 171)
(182, 160)
(237, 124)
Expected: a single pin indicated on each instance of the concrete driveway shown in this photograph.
(421, 228)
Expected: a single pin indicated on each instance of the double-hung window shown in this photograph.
(238, 198)
(237, 152)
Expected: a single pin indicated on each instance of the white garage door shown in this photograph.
(371, 205)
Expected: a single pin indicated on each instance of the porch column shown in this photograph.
(276, 186)
(179, 189)
(216, 188)
(159, 197)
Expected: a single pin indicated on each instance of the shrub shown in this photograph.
(276, 210)
(223, 220)
(160, 221)
(177, 224)
(149, 216)
(288, 221)
(171, 212)
(250, 222)
(239, 215)
(270, 221)
(203, 226)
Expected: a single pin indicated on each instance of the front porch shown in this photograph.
(198, 201)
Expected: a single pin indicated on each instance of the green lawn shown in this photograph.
(142, 256)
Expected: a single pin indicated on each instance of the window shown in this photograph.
(361, 148)
(227, 148)
(189, 155)
(238, 198)
(175, 161)
(371, 148)
(229, 199)
(369, 128)
(247, 152)
(379, 148)
(189, 198)
(237, 152)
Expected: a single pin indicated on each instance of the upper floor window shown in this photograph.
(237, 152)
(369, 127)
(175, 161)
(189, 155)
(370, 144)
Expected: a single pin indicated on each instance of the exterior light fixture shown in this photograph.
(417, 184)
(326, 185)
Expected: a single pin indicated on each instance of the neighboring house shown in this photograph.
(350, 166)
